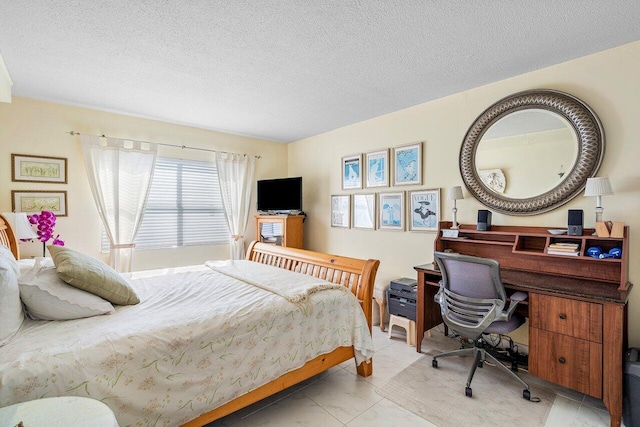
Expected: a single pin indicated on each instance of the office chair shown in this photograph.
(473, 302)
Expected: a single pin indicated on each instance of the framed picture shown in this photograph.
(36, 201)
(424, 210)
(352, 172)
(407, 162)
(26, 168)
(340, 211)
(391, 211)
(376, 165)
(364, 211)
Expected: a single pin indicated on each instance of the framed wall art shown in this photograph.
(364, 211)
(36, 201)
(352, 172)
(376, 165)
(391, 211)
(407, 162)
(27, 168)
(340, 211)
(424, 210)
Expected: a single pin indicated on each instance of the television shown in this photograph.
(280, 195)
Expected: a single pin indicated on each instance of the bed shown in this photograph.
(213, 353)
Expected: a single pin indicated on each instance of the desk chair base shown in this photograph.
(480, 355)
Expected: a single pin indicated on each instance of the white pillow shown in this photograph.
(11, 314)
(47, 297)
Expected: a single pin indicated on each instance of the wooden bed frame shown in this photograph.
(356, 274)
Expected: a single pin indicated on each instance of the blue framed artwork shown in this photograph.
(424, 210)
(391, 211)
(377, 168)
(352, 172)
(407, 162)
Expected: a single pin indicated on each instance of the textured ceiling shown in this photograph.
(284, 70)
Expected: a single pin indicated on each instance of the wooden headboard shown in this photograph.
(356, 274)
(7, 238)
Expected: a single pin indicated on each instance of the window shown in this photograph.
(184, 207)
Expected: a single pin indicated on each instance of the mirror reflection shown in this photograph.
(526, 153)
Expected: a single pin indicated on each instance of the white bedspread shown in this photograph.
(197, 340)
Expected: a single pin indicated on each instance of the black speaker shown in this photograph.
(484, 220)
(575, 222)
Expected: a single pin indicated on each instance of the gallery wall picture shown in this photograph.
(391, 211)
(424, 210)
(352, 172)
(364, 211)
(407, 164)
(340, 210)
(28, 168)
(376, 164)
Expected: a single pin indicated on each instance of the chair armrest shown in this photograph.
(515, 298)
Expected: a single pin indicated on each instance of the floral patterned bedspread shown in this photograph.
(197, 340)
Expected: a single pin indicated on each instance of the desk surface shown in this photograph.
(564, 285)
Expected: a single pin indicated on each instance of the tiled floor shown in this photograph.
(339, 397)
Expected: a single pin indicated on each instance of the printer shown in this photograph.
(402, 296)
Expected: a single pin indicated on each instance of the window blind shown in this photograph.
(184, 207)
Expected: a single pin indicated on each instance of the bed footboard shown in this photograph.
(356, 274)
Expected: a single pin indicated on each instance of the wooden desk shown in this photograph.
(576, 306)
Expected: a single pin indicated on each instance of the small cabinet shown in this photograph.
(281, 230)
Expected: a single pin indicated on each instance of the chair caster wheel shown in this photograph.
(467, 391)
(526, 394)
(514, 366)
(480, 364)
(434, 363)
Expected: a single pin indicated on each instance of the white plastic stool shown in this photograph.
(408, 325)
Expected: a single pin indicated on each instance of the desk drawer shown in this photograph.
(567, 361)
(577, 319)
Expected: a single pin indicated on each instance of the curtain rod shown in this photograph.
(184, 147)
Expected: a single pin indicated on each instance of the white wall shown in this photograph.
(606, 81)
(39, 128)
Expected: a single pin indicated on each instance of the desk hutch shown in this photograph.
(577, 305)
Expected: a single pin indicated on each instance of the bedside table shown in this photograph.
(67, 411)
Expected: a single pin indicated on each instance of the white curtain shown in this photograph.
(120, 173)
(235, 174)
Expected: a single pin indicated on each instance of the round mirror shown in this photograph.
(531, 152)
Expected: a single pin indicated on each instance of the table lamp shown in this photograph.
(598, 187)
(20, 225)
(454, 193)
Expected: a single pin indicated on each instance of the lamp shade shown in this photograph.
(20, 225)
(598, 187)
(454, 193)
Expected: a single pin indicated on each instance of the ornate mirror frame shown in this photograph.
(589, 133)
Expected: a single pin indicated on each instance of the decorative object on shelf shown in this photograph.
(391, 211)
(20, 225)
(455, 193)
(617, 230)
(494, 179)
(352, 172)
(594, 251)
(424, 211)
(46, 223)
(598, 187)
(407, 162)
(36, 201)
(27, 168)
(557, 232)
(340, 211)
(377, 168)
(364, 211)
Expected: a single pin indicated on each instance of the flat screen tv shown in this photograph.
(280, 195)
